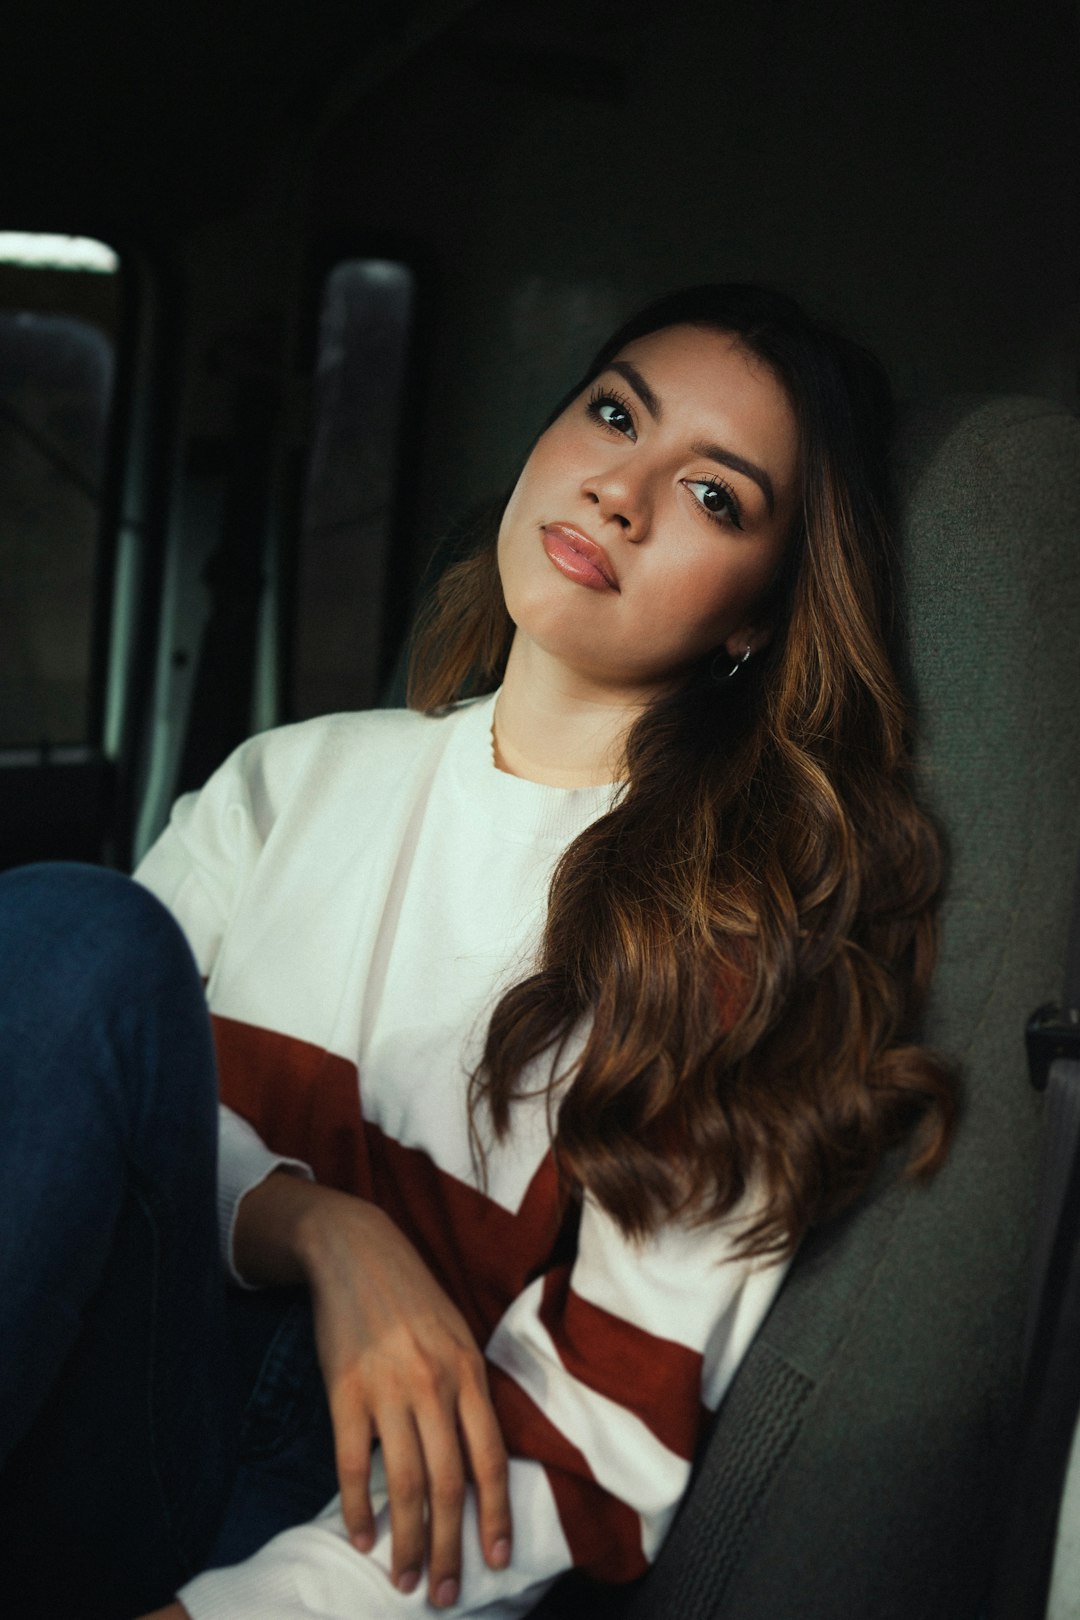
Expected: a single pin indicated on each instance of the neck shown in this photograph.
(555, 726)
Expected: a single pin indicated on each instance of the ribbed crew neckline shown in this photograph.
(521, 810)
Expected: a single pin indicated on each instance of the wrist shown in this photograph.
(266, 1243)
(327, 1228)
(290, 1230)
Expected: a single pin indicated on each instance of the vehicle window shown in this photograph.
(348, 511)
(59, 313)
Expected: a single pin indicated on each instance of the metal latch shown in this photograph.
(1051, 1034)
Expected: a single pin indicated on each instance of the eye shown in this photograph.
(612, 411)
(717, 499)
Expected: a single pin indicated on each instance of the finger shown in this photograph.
(489, 1467)
(352, 1451)
(445, 1469)
(407, 1493)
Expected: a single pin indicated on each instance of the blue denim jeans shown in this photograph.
(153, 1420)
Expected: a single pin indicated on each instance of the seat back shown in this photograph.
(1039, 1548)
(855, 1470)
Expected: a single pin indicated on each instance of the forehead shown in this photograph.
(706, 379)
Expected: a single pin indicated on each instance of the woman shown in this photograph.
(548, 1022)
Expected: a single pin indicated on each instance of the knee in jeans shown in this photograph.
(91, 921)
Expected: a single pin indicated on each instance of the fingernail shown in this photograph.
(446, 1593)
(500, 1553)
(363, 1541)
(408, 1580)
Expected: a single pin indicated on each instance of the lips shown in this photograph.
(578, 557)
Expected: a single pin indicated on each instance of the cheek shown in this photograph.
(553, 466)
(516, 517)
(519, 555)
(520, 509)
(713, 593)
(538, 495)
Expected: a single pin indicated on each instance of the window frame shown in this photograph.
(85, 793)
(403, 543)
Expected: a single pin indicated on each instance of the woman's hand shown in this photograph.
(400, 1364)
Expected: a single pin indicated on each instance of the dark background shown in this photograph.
(907, 167)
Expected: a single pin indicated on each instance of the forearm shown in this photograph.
(285, 1225)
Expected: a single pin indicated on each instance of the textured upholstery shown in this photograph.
(855, 1469)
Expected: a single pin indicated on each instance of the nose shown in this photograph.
(620, 496)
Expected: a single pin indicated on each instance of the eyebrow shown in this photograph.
(739, 464)
(640, 387)
(711, 452)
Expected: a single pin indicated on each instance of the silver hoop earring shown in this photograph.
(719, 674)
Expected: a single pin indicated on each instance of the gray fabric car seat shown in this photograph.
(1038, 1564)
(857, 1467)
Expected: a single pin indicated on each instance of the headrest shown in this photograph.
(989, 493)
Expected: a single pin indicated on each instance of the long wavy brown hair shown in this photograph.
(748, 935)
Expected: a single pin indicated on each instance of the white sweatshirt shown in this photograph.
(358, 890)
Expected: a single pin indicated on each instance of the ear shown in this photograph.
(755, 636)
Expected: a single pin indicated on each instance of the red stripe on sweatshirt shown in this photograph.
(656, 1379)
(305, 1102)
(484, 1254)
(302, 1100)
(603, 1533)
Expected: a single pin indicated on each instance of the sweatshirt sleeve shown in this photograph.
(602, 1373)
(198, 869)
(605, 1371)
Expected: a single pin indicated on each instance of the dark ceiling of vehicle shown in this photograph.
(161, 107)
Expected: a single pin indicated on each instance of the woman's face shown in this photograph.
(651, 517)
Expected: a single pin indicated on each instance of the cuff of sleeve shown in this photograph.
(229, 1594)
(313, 1571)
(244, 1162)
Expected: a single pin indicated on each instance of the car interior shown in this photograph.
(286, 291)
